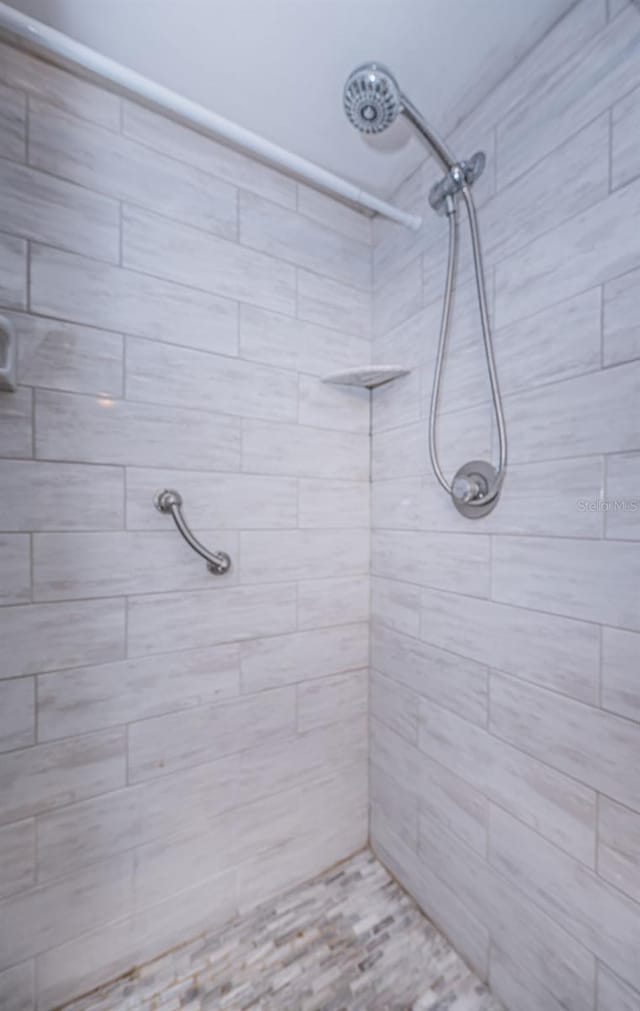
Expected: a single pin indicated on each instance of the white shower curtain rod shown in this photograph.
(60, 48)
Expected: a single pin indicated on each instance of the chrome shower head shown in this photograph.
(372, 98)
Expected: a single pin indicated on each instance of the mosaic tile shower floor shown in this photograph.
(350, 940)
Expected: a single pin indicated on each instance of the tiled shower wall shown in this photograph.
(176, 746)
(506, 694)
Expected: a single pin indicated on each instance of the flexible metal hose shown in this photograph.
(486, 336)
(442, 343)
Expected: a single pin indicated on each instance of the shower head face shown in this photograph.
(372, 98)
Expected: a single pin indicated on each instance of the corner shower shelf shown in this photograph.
(368, 376)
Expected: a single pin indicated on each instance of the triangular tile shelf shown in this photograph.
(368, 376)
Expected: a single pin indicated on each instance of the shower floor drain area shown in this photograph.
(351, 940)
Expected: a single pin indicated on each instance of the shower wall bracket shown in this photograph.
(463, 173)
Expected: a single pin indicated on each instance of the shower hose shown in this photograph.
(486, 336)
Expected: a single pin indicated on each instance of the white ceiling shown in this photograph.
(278, 66)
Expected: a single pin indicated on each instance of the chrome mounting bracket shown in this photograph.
(463, 173)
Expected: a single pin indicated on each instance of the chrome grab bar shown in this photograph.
(168, 501)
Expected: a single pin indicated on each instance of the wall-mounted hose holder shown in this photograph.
(8, 379)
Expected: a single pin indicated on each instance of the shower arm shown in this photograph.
(438, 146)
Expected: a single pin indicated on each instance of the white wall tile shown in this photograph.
(410, 342)
(333, 304)
(59, 87)
(289, 659)
(324, 405)
(17, 859)
(186, 145)
(398, 299)
(390, 803)
(37, 206)
(89, 698)
(298, 849)
(325, 700)
(58, 496)
(164, 744)
(220, 501)
(598, 584)
(48, 775)
(155, 245)
(437, 791)
(274, 556)
(396, 605)
(165, 374)
(439, 902)
(92, 830)
(289, 343)
(307, 744)
(554, 804)
(398, 503)
(107, 951)
(94, 157)
(562, 104)
(621, 329)
(399, 452)
(13, 272)
(598, 916)
(17, 714)
(13, 123)
(100, 295)
(622, 518)
(304, 452)
(31, 922)
(576, 173)
(173, 865)
(17, 986)
(594, 747)
(625, 147)
(102, 430)
(333, 503)
(399, 402)
(430, 560)
(596, 245)
(619, 846)
(562, 274)
(613, 994)
(568, 416)
(173, 621)
(555, 498)
(620, 686)
(334, 601)
(552, 651)
(448, 679)
(275, 230)
(515, 923)
(355, 224)
(16, 430)
(40, 637)
(555, 343)
(15, 569)
(63, 356)
(395, 706)
(518, 988)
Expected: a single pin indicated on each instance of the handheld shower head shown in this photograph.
(372, 98)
